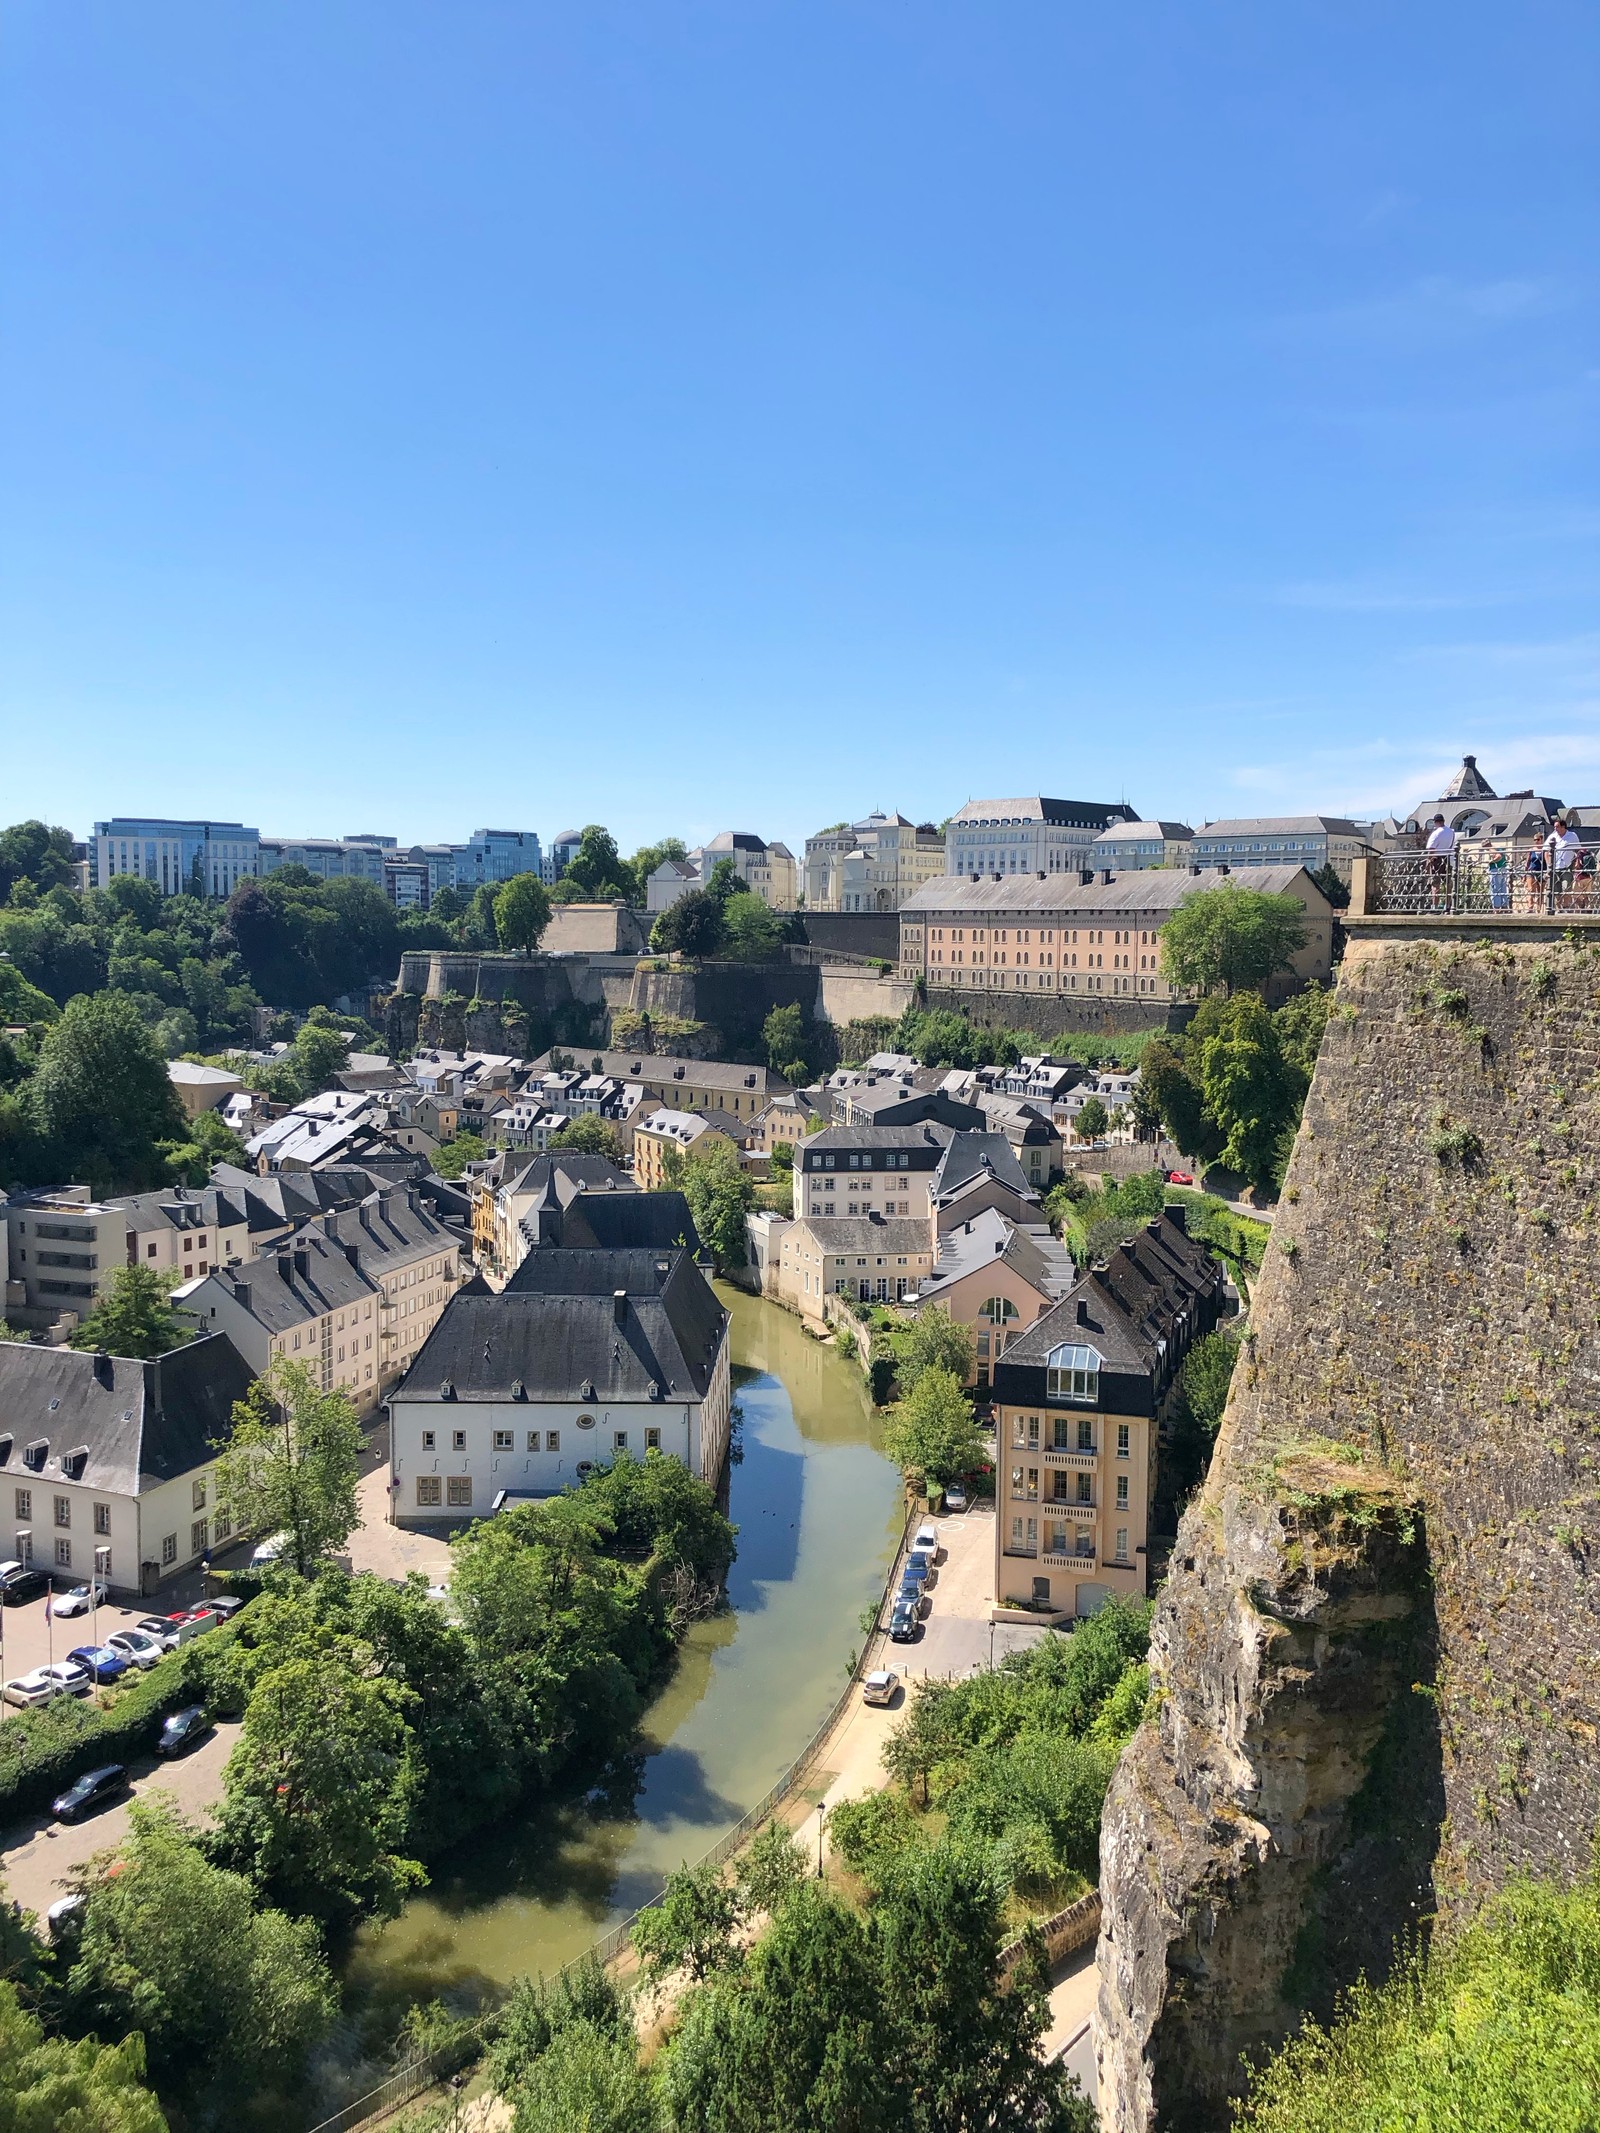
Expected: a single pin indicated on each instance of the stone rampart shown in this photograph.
(1348, 1742)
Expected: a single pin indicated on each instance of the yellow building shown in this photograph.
(1079, 1397)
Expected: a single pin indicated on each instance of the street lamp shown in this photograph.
(822, 1815)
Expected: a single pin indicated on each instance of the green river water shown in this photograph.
(817, 1507)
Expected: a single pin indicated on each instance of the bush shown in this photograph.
(42, 1751)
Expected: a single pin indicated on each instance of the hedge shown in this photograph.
(44, 1749)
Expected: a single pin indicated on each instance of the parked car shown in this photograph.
(880, 1685)
(191, 1622)
(134, 1645)
(10, 1563)
(914, 1570)
(913, 1596)
(93, 1789)
(65, 1678)
(955, 1497)
(79, 1601)
(19, 1584)
(1180, 1177)
(269, 1551)
(162, 1629)
(183, 1729)
(226, 1606)
(927, 1536)
(65, 1915)
(103, 1663)
(922, 1559)
(903, 1622)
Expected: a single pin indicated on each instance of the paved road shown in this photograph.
(1074, 1988)
(39, 1855)
(957, 1636)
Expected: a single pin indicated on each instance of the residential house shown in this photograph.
(768, 870)
(351, 1295)
(660, 1132)
(1098, 940)
(868, 1258)
(586, 1355)
(1027, 836)
(506, 1187)
(108, 1466)
(994, 1277)
(201, 1088)
(787, 1118)
(669, 882)
(685, 1084)
(1079, 1396)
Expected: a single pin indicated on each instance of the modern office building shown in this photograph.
(181, 858)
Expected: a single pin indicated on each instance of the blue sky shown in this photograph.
(693, 416)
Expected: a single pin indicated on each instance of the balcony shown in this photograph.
(1084, 1462)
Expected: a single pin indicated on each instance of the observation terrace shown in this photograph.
(1473, 891)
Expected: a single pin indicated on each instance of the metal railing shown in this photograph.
(1508, 882)
(409, 2082)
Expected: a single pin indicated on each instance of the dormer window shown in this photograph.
(1072, 1372)
(74, 1462)
(36, 1454)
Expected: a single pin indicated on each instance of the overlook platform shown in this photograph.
(1412, 896)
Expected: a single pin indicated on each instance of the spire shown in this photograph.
(1469, 783)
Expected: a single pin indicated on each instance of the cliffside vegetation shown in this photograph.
(1496, 2030)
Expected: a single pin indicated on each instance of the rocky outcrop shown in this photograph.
(1374, 1706)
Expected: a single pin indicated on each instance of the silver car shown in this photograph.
(133, 1644)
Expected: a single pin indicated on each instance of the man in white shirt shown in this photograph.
(1560, 854)
(1441, 843)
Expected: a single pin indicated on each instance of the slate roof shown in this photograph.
(866, 1233)
(708, 1073)
(1146, 889)
(987, 1240)
(1133, 1301)
(314, 1271)
(554, 1330)
(140, 1423)
(1034, 808)
(642, 1221)
(973, 1155)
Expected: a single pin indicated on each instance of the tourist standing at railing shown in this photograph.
(1441, 843)
(1561, 852)
(1533, 871)
(1499, 872)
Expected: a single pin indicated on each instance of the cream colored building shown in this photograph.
(1100, 940)
(875, 864)
(661, 1133)
(685, 1084)
(862, 1259)
(1079, 1397)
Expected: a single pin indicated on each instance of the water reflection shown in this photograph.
(816, 1506)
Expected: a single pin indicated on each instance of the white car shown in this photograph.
(137, 1645)
(79, 1601)
(160, 1631)
(63, 1679)
(928, 1537)
(269, 1551)
(879, 1686)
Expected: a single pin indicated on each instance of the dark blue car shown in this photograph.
(103, 1663)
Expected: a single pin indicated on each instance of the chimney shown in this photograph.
(1040, 875)
(619, 1305)
(1086, 877)
(302, 1261)
(1106, 877)
(352, 1252)
(103, 1372)
(1223, 867)
(241, 1294)
(1195, 868)
(1083, 1311)
(286, 1267)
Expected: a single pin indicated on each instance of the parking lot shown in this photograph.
(957, 1636)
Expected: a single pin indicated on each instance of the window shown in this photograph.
(24, 1503)
(198, 1537)
(427, 1440)
(1085, 1488)
(1084, 1544)
(223, 1523)
(502, 1440)
(1122, 1492)
(102, 1518)
(169, 1550)
(459, 1491)
(427, 1492)
(1073, 1373)
(458, 1440)
(63, 1510)
(1122, 1544)
(999, 1311)
(619, 1440)
(652, 1440)
(552, 1440)
(197, 1494)
(63, 1555)
(1086, 1436)
(1122, 1440)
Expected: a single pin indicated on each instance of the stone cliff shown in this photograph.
(1375, 1658)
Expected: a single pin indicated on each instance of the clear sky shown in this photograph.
(701, 414)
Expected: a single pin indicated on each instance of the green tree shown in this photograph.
(1252, 1096)
(22, 1002)
(1092, 1120)
(648, 857)
(596, 871)
(1231, 938)
(587, 2081)
(319, 1052)
(1300, 1024)
(932, 1341)
(1332, 884)
(784, 1035)
(135, 1317)
(1206, 1376)
(50, 2086)
(931, 1432)
(173, 1947)
(292, 1463)
(751, 929)
(536, 2010)
(522, 912)
(725, 881)
(29, 851)
(101, 1099)
(209, 1142)
(1172, 1089)
(692, 926)
(692, 1928)
(452, 1160)
(720, 1194)
(590, 1134)
(771, 1870)
(316, 1798)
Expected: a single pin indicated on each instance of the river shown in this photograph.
(817, 1507)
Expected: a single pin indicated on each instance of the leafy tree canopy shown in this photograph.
(48, 2084)
(692, 926)
(590, 1134)
(136, 1316)
(931, 1432)
(933, 1341)
(40, 856)
(751, 929)
(522, 912)
(1092, 1120)
(453, 1158)
(720, 1193)
(100, 1101)
(784, 1036)
(292, 1463)
(1231, 939)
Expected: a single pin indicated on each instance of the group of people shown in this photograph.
(1553, 872)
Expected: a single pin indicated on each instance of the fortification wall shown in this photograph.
(1378, 1655)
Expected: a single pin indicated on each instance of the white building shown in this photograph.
(585, 1355)
(181, 858)
(871, 865)
(1028, 836)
